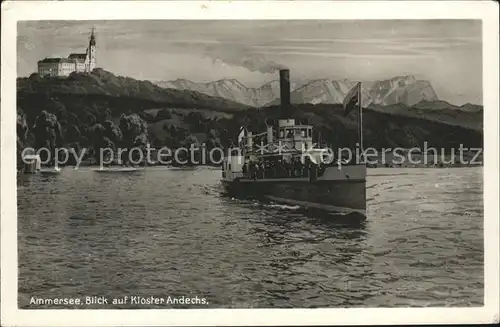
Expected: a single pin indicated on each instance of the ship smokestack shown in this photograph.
(285, 94)
(269, 134)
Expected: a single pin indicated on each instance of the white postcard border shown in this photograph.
(122, 10)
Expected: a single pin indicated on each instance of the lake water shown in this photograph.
(166, 232)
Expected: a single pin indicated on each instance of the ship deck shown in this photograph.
(295, 179)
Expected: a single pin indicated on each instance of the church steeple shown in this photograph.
(90, 62)
(92, 38)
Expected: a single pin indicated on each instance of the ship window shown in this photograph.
(282, 133)
(303, 133)
(309, 132)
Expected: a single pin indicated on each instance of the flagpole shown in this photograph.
(360, 119)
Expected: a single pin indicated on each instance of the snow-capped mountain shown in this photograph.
(325, 91)
(400, 89)
(230, 89)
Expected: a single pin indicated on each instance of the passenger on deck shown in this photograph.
(288, 168)
(272, 169)
(245, 170)
(321, 169)
(267, 169)
(251, 170)
(257, 170)
(282, 169)
(297, 167)
(307, 167)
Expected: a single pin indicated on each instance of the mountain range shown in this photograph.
(231, 89)
(400, 89)
(400, 95)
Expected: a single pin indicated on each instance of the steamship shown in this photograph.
(315, 183)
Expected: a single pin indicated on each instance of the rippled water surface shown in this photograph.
(169, 232)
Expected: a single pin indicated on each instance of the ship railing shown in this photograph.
(269, 170)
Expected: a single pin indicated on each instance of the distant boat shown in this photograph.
(116, 170)
(49, 171)
(32, 164)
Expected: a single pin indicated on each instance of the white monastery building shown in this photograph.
(76, 62)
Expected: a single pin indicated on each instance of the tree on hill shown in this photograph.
(22, 134)
(163, 114)
(135, 133)
(48, 134)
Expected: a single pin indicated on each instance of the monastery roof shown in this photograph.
(77, 56)
(56, 60)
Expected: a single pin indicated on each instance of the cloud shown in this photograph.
(356, 55)
(385, 39)
(246, 57)
(416, 45)
(286, 47)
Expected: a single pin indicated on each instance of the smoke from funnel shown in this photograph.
(254, 62)
(259, 63)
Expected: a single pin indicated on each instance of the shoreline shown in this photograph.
(368, 166)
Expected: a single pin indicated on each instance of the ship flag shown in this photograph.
(241, 135)
(352, 98)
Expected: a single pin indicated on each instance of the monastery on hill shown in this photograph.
(76, 62)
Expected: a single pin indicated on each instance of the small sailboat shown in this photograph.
(116, 170)
(33, 165)
(50, 171)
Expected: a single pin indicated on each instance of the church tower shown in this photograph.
(90, 63)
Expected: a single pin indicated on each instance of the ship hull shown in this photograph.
(335, 196)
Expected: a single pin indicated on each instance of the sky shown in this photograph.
(448, 53)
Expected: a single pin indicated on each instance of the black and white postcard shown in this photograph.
(249, 163)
